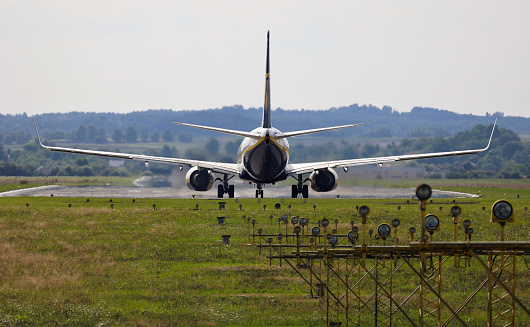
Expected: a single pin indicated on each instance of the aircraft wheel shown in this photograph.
(220, 191)
(305, 191)
(294, 191)
(230, 191)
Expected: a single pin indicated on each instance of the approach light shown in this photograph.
(280, 236)
(355, 229)
(294, 220)
(412, 230)
(456, 211)
(284, 217)
(333, 239)
(315, 230)
(328, 236)
(466, 223)
(253, 222)
(383, 230)
(423, 192)
(432, 223)
(395, 223)
(325, 222)
(502, 212)
(303, 221)
(351, 236)
(269, 240)
(469, 232)
(260, 230)
(399, 208)
(377, 237)
(297, 229)
(364, 211)
(312, 239)
(336, 221)
(277, 206)
(314, 207)
(370, 232)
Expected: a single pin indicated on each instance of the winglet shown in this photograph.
(491, 136)
(36, 130)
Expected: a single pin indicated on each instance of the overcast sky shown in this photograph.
(123, 56)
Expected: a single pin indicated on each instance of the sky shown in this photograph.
(470, 57)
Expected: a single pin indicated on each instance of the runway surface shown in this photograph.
(242, 191)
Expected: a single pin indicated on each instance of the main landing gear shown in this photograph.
(300, 188)
(224, 188)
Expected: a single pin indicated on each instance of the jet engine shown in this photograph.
(199, 179)
(324, 180)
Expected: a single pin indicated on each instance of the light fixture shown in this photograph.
(423, 192)
(315, 230)
(395, 223)
(294, 220)
(325, 222)
(351, 236)
(432, 223)
(383, 230)
(364, 211)
(502, 212)
(456, 211)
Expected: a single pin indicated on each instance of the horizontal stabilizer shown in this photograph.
(223, 130)
(310, 131)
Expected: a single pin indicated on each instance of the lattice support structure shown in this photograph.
(430, 303)
(383, 300)
(501, 305)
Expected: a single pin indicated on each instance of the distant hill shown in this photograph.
(420, 122)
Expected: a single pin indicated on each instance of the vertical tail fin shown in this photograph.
(266, 123)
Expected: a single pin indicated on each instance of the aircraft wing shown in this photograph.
(303, 168)
(218, 167)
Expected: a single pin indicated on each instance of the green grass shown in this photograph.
(135, 266)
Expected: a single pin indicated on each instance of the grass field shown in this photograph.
(82, 263)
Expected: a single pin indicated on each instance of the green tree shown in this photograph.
(155, 137)
(81, 134)
(168, 136)
(131, 135)
(117, 135)
(212, 146)
(144, 134)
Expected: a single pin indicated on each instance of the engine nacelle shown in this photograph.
(324, 180)
(199, 179)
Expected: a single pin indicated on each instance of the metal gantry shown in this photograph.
(355, 277)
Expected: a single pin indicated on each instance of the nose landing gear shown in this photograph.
(259, 191)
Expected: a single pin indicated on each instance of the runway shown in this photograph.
(242, 191)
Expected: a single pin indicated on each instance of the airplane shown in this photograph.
(263, 158)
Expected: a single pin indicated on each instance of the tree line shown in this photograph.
(508, 156)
